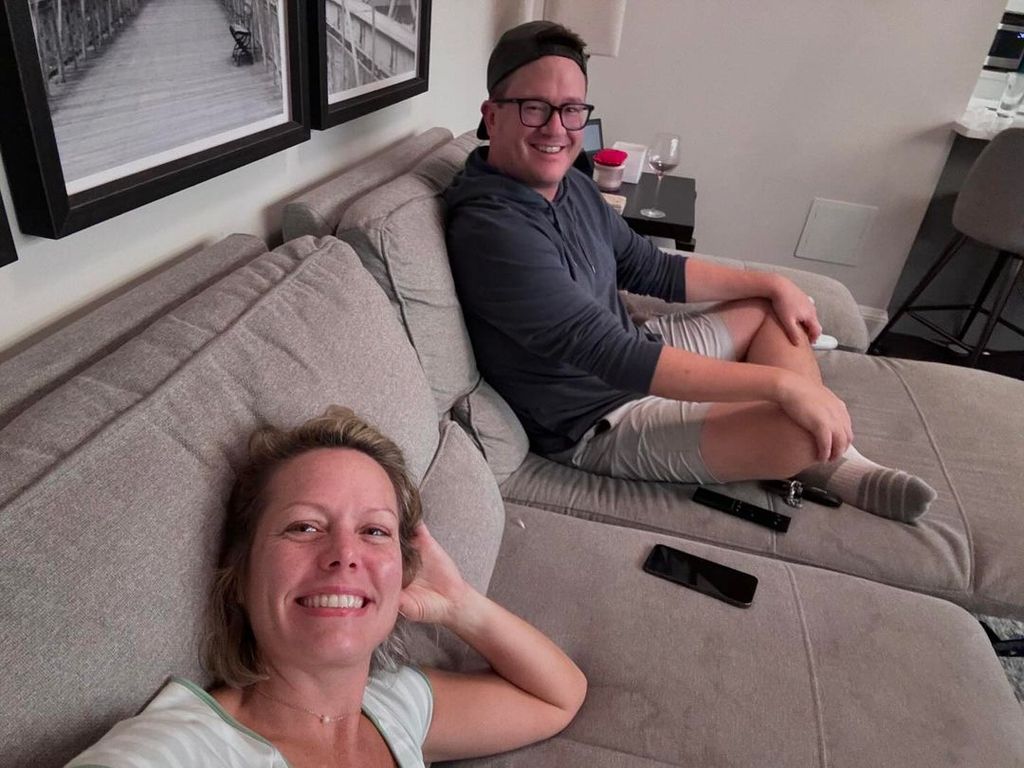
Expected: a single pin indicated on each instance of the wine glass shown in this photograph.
(663, 156)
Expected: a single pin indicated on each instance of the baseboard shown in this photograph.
(874, 318)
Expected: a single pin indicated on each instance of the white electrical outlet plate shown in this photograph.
(835, 232)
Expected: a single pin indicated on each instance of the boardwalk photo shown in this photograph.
(370, 45)
(135, 83)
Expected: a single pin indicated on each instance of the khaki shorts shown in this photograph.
(655, 438)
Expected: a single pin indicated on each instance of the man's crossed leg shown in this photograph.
(655, 438)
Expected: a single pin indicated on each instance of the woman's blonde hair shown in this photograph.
(229, 651)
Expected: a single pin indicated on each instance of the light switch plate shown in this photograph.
(835, 232)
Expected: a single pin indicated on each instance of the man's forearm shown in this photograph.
(706, 281)
(682, 375)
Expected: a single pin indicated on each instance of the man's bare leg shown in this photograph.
(754, 441)
(758, 338)
(747, 441)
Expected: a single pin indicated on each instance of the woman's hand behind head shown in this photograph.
(438, 593)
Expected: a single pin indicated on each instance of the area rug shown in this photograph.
(1014, 667)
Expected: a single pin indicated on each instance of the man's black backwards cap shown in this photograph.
(529, 42)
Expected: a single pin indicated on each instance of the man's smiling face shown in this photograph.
(538, 157)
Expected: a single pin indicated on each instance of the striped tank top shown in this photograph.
(184, 727)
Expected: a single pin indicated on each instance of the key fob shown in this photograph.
(791, 491)
(821, 496)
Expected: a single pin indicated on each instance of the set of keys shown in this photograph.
(793, 493)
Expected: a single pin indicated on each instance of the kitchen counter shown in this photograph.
(979, 120)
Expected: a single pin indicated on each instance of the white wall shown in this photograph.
(782, 101)
(55, 277)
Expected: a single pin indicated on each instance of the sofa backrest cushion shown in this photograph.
(49, 362)
(398, 232)
(465, 513)
(112, 487)
(318, 211)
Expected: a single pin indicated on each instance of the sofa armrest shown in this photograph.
(837, 309)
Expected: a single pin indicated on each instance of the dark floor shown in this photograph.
(916, 348)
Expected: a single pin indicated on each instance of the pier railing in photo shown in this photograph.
(68, 31)
(370, 41)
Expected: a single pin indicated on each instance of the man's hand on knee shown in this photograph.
(795, 311)
(819, 411)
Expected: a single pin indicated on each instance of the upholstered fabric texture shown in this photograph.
(465, 513)
(53, 360)
(112, 486)
(837, 309)
(822, 670)
(398, 232)
(318, 211)
(920, 417)
(494, 427)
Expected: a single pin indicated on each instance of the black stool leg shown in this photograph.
(952, 247)
(1012, 276)
(1011, 647)
(994, 273)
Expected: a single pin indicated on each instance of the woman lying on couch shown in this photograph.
(324, 547)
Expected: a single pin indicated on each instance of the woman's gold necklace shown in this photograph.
(324, 719)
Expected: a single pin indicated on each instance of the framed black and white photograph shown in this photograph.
(367, 54)
(7, 252)
(111, 104)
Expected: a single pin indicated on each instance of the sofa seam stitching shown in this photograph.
(469, 416)
(400, 303)
(811, 669)
(442, 441)
(972, 560)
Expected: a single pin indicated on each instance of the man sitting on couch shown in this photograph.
(538, 258)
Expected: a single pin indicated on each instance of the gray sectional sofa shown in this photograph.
(118, 434)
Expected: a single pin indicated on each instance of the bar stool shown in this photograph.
(990, 210)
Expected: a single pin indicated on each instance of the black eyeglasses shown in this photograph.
(535, 113)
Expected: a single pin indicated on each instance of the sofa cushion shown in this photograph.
(822, 669)
(465, 513)
(47, 363)
(463, 507)
(318, 211)
(398, 232)
(112, 487)
(961, 430)
(494, 427)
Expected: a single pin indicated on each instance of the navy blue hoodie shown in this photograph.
(538, 282)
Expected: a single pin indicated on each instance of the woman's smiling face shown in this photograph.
(325, 569)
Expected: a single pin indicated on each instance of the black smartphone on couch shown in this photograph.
(713, 579)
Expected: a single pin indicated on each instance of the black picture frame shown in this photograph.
(8, 254)
(38, 189)
(326, 115)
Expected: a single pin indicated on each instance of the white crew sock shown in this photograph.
(880, 490)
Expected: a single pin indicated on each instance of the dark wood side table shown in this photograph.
(677, 198)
